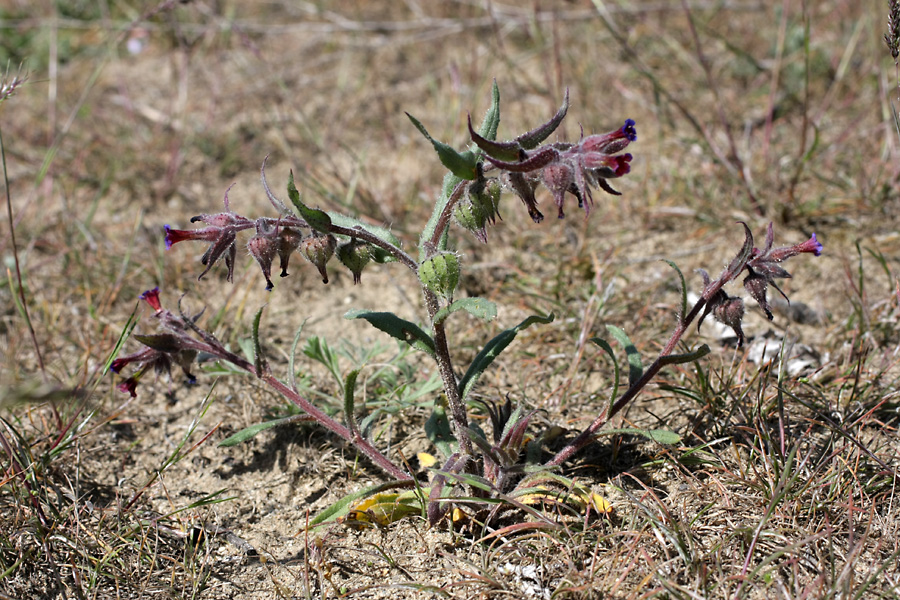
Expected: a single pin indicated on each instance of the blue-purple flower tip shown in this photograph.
(629, 130)
(168, 238)
(817, 247)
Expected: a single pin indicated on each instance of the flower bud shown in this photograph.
(471, 216)
(263, 248)
(558, 178)
(731, 312)
(318, 249)
(355, 256)
(485, 196)
(440, 273)
(288, 241)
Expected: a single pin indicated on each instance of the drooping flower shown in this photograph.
(172, 346)
(263, 247)
(288, 240)
(354, 255)
(318, 249)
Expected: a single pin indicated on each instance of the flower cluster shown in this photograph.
(172, 346)
(763, 268)
(563, 168)
(274, 238)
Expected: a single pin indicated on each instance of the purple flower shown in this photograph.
(151, 297)
(763, 267)
(812, 245)
(569, 168)
(221, 234)
(129, 386)
(172, 346)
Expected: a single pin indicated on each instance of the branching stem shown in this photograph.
(586, 436)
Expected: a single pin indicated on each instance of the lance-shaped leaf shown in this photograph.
(683, 313)
(493, 349)
(278, 204)
(635, 368)
(259, 361)
(437, 429)
(349, 403)
(350, 223)
(477, 307)
(163, 342)
(461, 164)
(612, 355)
(315, 218)
(437, 509)
(248, 432)
(737, 264)
(661, 436)
(396, 327)
(534, 162)
(679, 359)
(491, 121)
(542, 132)
(508, 151)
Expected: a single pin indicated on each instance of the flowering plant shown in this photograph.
(471, 198)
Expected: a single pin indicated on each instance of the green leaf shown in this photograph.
(661, 436)
(259, 362)
(477, 307)
(315, 218)
(612, 355)
(437, 429)
(493, 349)
(461, 164)
(343, 506)
(677, 359)
(491, 121)
(349, 390)
(248, 432)
(635, 368)
(683, 313)
(394, 326)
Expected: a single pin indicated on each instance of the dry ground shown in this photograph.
(136, 115)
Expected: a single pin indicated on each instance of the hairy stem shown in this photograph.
(370, 238)
(354, 438)
(444, 219)
(211, 345)
(586, 436)
(459, 420)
